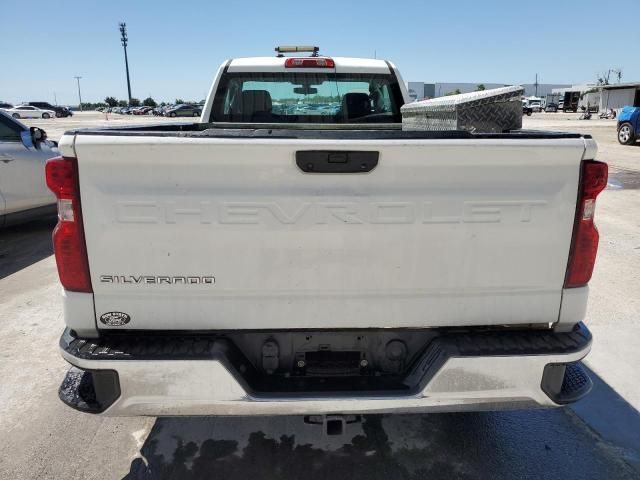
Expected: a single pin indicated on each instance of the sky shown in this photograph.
(175, 47)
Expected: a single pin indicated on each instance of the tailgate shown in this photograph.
(213, 233)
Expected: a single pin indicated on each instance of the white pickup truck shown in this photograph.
(297, 252)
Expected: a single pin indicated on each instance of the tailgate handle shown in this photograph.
(338, 161)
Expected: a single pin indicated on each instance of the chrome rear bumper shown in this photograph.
(458, 371)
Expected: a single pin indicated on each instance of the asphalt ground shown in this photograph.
(597, 438)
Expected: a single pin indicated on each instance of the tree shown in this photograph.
(122, 103)
(603, 79)
(92, 106)
(111, 101)
(480, 87)
(179, 101)
(134, 102)
(455, 92)
(149, 102)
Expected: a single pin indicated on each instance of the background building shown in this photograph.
(421, 90)
(606, 97)
(589, 95)
(619, 95)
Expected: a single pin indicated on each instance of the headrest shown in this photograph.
(356, 105)
(255, 101)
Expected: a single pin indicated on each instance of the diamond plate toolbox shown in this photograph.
(486, 111)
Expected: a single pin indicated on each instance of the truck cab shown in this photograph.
(312, 90)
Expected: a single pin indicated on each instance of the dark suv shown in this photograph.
(184, 111)
(60, 111)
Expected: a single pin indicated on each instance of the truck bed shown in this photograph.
(364, 131)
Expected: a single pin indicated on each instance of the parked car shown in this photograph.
(60, 111)
(164, 109)
(551, 102)
(629, 125)
(27, 111)
(5, 106)
(534, 103)
(142, 110)
(318, 267)
(184, 110)
(23, 153)
(526, 110)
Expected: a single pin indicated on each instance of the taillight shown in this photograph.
(584, 243)
(312, 62)
(68, 236)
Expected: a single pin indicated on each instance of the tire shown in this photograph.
(46, 115)
(626, 135)
(529, 112)
(196, 114)
(16, 115)
(172, 114)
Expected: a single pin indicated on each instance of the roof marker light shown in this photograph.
(281, 50)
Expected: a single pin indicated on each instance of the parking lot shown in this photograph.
(597, 438)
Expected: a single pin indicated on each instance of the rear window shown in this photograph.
(294, 97)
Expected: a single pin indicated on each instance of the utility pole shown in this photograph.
(536, 84)
(55, 99)
(79, 95)
(125, 40)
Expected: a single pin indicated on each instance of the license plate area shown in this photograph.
(330, 363)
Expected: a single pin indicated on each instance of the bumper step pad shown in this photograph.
(177, 346)
(566, 383)
(91, 391)
(562, 382)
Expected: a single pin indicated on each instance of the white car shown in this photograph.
(23, 153)
(534, 103)
(27, 111)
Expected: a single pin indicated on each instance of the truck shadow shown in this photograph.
(547, 444)
(24, 245)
